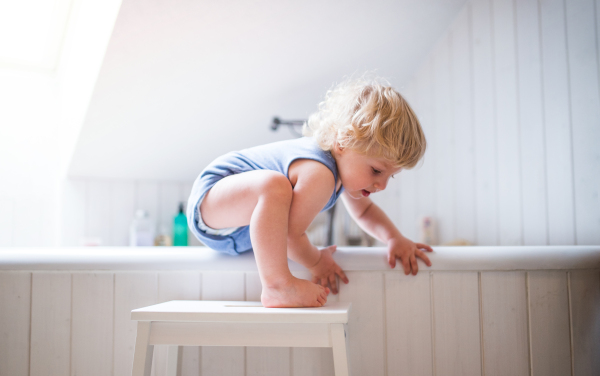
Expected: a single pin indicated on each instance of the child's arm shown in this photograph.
(377, 224)
(313, 185)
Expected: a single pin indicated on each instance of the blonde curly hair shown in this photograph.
(371, 118)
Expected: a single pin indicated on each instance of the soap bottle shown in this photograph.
(180, 228)
(141, 232)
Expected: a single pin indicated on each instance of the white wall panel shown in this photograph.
(408, 323)
(505, 323)
(168, 204)
(179, 286)
(230, 361)
(531, 123)
(366, 324)
(486, 160)
(556, 95)
(549, 323)
(425, 172)
(92, 317)
(507, 122)
(585, 318)
(527, 73)
(15, 310)
(122, 202)
(132, 291)
(443, 152)
(456, 324)
(264, 360)
(98, 211)
(464, 161)
(147, 198)
(312, 361)
(585, 117)
(50, 324)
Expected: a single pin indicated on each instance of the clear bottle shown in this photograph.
(180, 228)
(141, 232)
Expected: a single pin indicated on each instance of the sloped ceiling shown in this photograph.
(185, 81)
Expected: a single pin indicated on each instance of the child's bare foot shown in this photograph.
(294, 292)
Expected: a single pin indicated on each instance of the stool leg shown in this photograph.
(173, 360)
(340, 350)
(142, 356)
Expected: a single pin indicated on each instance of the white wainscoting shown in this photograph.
(477, 310)
(510, 103)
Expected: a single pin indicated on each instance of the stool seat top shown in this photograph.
(240, 311)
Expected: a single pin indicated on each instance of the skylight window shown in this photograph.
(32, 33)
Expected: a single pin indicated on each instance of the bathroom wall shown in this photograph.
(510, 104)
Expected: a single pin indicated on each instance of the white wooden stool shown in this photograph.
(221, 323)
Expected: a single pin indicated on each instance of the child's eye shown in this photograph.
(375, 171)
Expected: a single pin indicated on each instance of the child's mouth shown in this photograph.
(365, 193)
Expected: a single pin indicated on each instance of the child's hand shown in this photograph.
(325, 270)
(407, 251)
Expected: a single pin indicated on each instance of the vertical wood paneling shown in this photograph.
(73, 212)
(585, 117)
(456, 323)
(531, 123)
(312, 361)
(507, 123)
(169, 199)
(557, 123)
(402, 191)
(366, 325)
(585, 310)
(486, 163)
(505, 326)
(179, 286)
(444, 125)
(464, 182)
(15, 310)
(408, 324)
(549, 323)
(132, 290)
(50, 324)
(147, 198)
(223, 360)
(122, 201)
(426, 173)
(264, 360)
(92, 318)
(98, 205)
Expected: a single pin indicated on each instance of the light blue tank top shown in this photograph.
(277, 156)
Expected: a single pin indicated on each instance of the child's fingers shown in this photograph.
(333, 284)
(414, 265)
(406, 265)
(424, 246)
(392, 260)
(423, 257)
(342, 275)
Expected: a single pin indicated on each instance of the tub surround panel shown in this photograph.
(539, 321)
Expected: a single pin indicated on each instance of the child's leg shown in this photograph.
(262, 199)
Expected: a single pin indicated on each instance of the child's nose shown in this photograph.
(380, 185)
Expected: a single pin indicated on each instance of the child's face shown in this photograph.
(362, 175)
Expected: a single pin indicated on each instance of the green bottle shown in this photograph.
(180, 228)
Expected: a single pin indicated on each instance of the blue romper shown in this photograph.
(276, 156)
